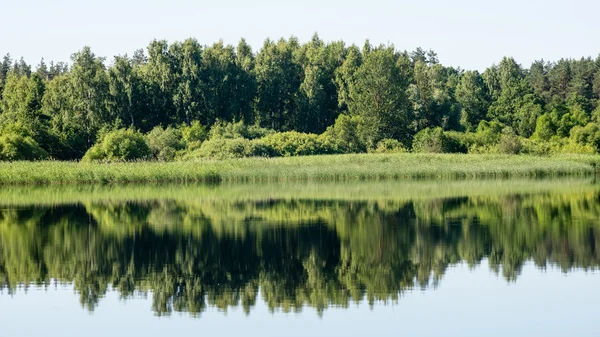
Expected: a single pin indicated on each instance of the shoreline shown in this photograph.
(351, 167)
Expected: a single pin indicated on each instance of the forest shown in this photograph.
(185, 100)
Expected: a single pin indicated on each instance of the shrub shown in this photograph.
(222, 148)
(536, 147)
(193, 133)
(459, 142)
(256, 132)
(344, 135)
(232, 130)
(431, 140)
(509, 142)
(164, 143)
(44, 136)
(389, 146)
(570, 146)
(294, 143)
(119, 145)
(488, 133)
(587, 135)
(479, 149)
(544, 128)
(555, 145)
(16, 147)
(259, 148)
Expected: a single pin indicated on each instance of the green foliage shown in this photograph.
(509, 142)
(507, 86)
(294, 143)
(378, 95)
(390, 146)
(432, 140)
(527, 115)
(555, 146)
(16, 147)
(195, 132)
(459, 142)
(472, 97)
(588, 135)
(164, 143)
(223, 148)
(544, 128)
(345, 167)
(488, 133)
(353, 97)
(345, 134)
(119, 145)
(231, 130)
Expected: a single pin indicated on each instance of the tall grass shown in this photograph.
(326, 167)
(380, 191)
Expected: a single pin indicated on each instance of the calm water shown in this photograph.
(416, 259)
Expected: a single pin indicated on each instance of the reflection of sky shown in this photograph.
(466, 303)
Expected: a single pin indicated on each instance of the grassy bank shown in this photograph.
(382, 192)
(333, 167)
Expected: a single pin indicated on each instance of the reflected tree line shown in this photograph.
(192, 255)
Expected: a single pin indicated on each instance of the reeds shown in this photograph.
(325, 167)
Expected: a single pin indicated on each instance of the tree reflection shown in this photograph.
(192, 255)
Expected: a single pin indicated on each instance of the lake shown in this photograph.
(384, 258)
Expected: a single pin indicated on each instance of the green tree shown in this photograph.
(538, 80)
(278, 79)
(122, 86)
(472, 97)
(378, 95)
(507, 85)
(245, 89)
(89, 92)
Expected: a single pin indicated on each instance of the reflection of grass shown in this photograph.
(338, 167)
(380, 191)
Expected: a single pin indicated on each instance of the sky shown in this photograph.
(471, 34)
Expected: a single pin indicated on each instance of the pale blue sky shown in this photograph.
(471, 34)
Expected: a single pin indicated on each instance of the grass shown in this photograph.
(309, 168)
(380, 191)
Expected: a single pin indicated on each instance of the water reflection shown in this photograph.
(189, 255)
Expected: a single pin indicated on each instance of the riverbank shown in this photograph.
(380, 192)
(326, 167)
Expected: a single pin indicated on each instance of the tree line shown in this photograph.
(358, 99)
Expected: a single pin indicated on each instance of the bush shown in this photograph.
(16, 147)
(588, 135)
(459, 142)
(194, 133)
(232, 130)
(509, 142)
(222, 148)
(259, 148)
(119, 145)
(432, 140)
(389, 146)
(344, 135)
(164, 143)
(544, 128)
(555, 145)
(488, 133)
(256, 132)
(294, 143)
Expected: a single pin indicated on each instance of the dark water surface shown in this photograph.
(497, 258)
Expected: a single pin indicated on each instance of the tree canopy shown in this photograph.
(292, 86)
